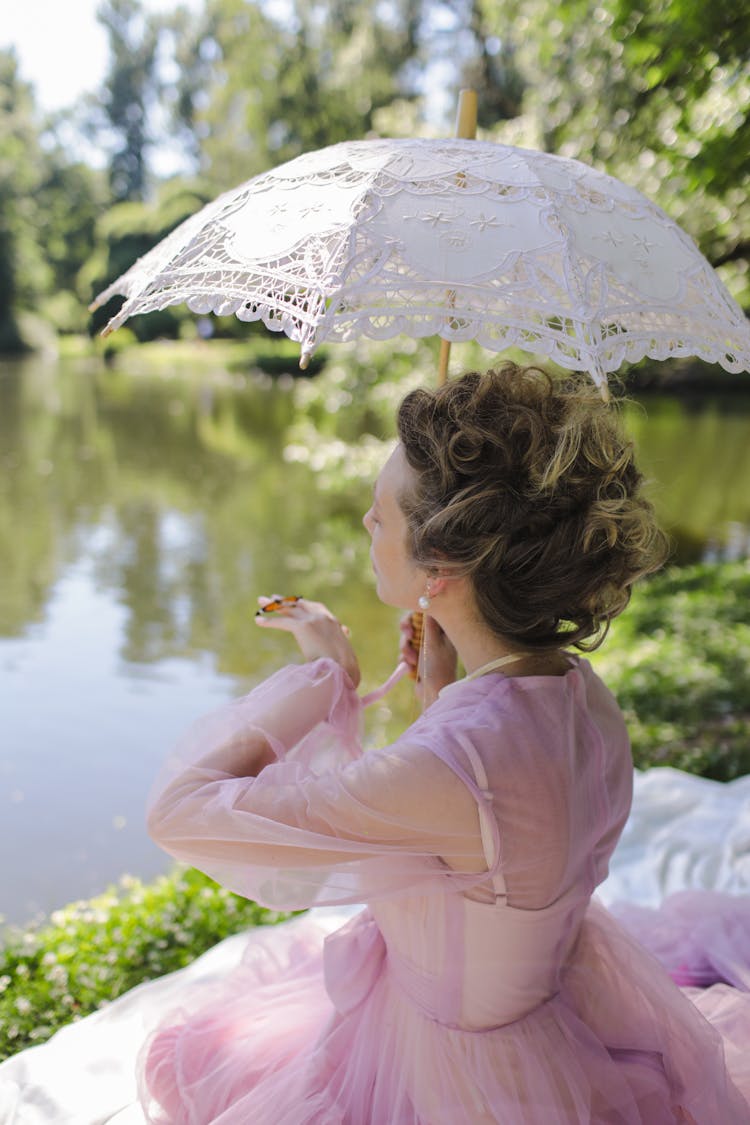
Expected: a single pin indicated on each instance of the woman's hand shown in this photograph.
(317, 632)
(441, 663)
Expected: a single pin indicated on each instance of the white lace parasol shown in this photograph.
(457, 238)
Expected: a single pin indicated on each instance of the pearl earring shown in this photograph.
(424, 601)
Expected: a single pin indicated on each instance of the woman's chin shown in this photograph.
(382, 591)
(382, 594)
(390, 597)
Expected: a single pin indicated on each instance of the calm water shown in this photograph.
(139, 518)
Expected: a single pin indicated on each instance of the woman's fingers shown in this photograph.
(274, 612)
(442, 659)
(407, 650)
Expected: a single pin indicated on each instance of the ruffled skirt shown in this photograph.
(619, 1044)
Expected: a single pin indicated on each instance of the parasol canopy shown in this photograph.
(463, 239)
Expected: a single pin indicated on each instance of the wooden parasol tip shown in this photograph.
(304, 361)
(466, 116)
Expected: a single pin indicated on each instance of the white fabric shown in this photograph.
(684, 832)
(458, 238)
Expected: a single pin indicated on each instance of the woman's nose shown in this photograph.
(366, 520)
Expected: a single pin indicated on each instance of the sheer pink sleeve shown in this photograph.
(325, 823)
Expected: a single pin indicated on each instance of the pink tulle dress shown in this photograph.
(480, 983)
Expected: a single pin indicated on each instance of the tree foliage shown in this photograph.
(255, 90)
(20, 263)
(48, 206)
(130, 91)
(658, 94)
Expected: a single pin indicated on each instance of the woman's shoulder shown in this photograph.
(521, 708)
(505, 692)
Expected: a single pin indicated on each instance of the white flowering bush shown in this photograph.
(91, 952)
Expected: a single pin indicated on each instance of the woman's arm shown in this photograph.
(323, 823)
(375, 824)
(287, 714)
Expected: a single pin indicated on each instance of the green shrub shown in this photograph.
(678, 661)
(89, 953)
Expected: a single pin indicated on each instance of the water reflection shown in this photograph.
(140, 515)
(139, 519)
(194, 508)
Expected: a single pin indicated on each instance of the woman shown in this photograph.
(480, 984)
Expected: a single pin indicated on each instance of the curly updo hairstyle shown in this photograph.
(527, 485)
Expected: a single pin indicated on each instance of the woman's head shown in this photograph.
(526, 485)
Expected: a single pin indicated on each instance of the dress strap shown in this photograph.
(485, 813)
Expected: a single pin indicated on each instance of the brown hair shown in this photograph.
(527, 485)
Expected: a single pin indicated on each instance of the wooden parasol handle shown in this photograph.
(417, 624)
(466, 129)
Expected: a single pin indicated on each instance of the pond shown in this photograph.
(142, 511)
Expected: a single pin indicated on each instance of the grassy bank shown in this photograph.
(91, 952)
(679, 662)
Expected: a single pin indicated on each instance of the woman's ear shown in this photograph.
(436, 583)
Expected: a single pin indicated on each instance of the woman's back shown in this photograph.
(552, 756)
(549, 762)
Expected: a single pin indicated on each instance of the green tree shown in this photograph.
(70, 199)
(23, 273)
(48, 209)
(129, 95)
(460, 37)
(656, 93)
(261, 90)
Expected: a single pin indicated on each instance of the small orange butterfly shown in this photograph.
(280, 603)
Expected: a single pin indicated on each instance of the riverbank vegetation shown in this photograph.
(679, 662)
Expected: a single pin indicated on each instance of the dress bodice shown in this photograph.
(475, 965)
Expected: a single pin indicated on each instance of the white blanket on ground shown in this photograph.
(684, 832)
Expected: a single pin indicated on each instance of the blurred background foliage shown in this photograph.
(678, 663)
(658, 94)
